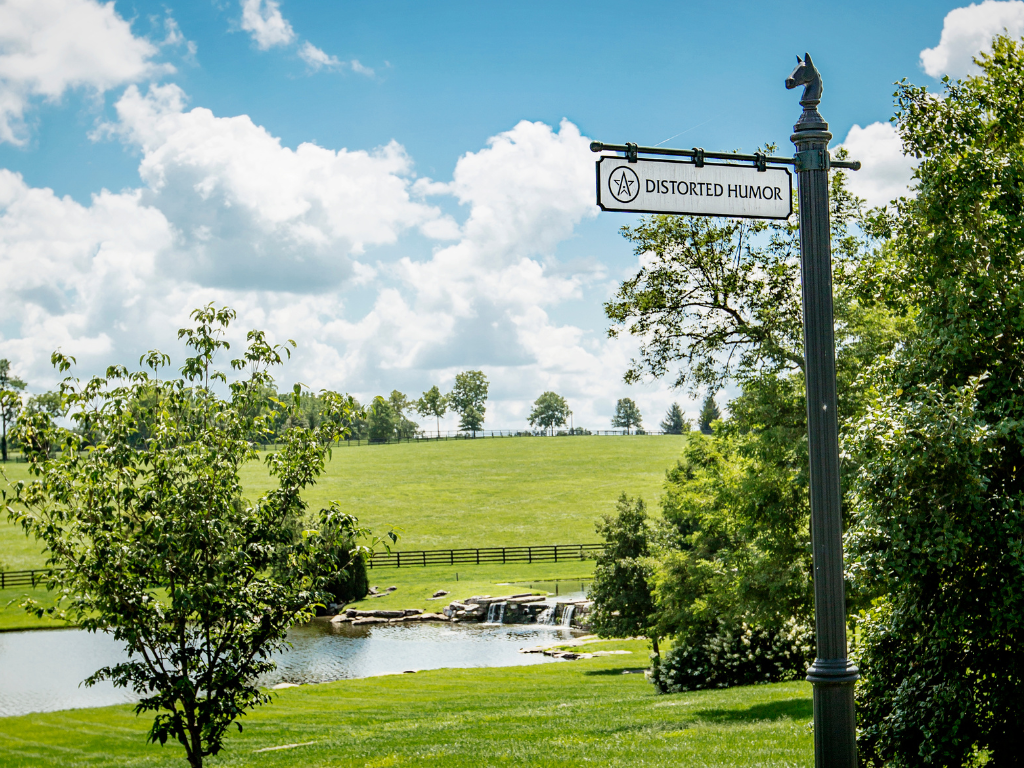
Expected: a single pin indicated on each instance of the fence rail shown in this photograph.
(23, 578)
(549, 553)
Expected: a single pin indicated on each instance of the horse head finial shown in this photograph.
(807, 75)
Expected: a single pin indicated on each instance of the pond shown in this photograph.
(41, 671)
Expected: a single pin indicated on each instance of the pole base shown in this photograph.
(835, 722)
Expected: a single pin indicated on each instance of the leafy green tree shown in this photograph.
(622, 589)
(10, 402)
(627, 414)
(382, 419)
(47, 402)
(938, 497)
(405, 428)
(433, 403)
(709, 414)
(718, 301)
(549, 411)
(675, 423)
(472, 420)
(156, 543)
(468, 397)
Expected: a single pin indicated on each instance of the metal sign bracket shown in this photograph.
(813, 160)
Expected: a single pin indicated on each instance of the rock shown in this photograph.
(340, 619)
(413, 611)
(373, 591)
(371, 620)
(523, 599)
(282, 686)
(374, 614)
(440, 593)
(392, 589)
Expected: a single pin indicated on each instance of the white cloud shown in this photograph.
(77, 277)
(316, 58)
(263, 21)
(50, 46)
(360, 68)
(227, 214)
(885, 170)
(968, 31)
(249, 211)
(174, 38)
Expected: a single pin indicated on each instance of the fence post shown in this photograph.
(502, 555)
(399, 559)
(451, 557)
(478, 557)
(556, 553)
(529, 554)
(424, 553)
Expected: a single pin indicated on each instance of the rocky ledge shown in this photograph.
(358, 618)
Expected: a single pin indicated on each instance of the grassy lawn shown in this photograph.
(561, 714)
(464, 493)
(491, 492)
(415, 586)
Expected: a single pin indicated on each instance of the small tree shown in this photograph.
(469, 394)
(549, 411)
(10, 402)
(472, 420)
(400, 403)
(675, 423)
(709, 414)
(155, 542)
(433, 403)
(622, 589)
(383, 421)
(627, 414)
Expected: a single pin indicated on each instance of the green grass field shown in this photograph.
(492, 492)
(561, 714)
(464, 493)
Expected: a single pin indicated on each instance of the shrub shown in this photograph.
(725, 656)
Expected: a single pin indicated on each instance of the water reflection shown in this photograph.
(42, 671)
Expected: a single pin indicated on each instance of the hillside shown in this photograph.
(492, 492)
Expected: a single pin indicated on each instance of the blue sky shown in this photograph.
(404, 188)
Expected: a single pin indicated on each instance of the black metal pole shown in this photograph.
(832, 674)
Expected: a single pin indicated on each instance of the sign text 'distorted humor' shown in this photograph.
(671, 186)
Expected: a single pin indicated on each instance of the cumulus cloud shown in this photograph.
(968, 31)
(50, 46)
(885, 171)
(77, 277)
(263, 21)
(226, 213)
(248, 211)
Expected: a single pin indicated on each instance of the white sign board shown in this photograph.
(674, 186)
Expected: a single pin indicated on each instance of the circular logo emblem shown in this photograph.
(624, 184)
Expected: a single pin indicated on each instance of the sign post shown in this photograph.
(755, 186)
(832, 674)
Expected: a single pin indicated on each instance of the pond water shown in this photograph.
(41, 671)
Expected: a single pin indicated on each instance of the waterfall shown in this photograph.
(496, 613)
(547, 616)
(567, 615)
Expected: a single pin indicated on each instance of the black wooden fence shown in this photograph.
(550, 553)
(22, 578)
